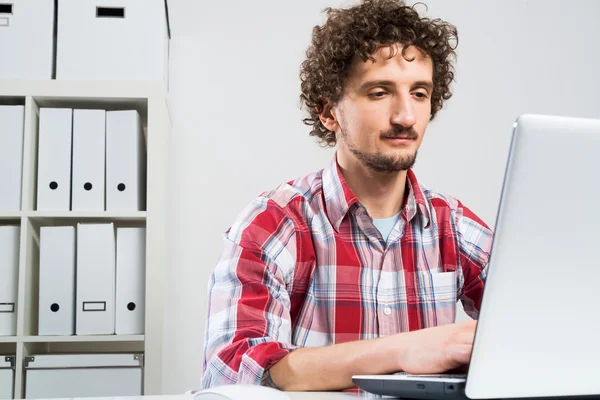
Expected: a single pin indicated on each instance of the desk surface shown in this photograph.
(292, 396)
(322, 396)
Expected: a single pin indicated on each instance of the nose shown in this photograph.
(403, 112)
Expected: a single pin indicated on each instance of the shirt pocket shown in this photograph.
(437, 297)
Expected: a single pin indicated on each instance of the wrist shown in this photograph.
(396, 347)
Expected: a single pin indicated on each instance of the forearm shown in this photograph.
(332, 367)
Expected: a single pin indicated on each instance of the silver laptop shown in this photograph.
(538, 333)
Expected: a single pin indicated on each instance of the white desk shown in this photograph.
(292, 395)
(323, 396)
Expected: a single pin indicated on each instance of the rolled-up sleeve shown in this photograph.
(474, 243)
(248, 328)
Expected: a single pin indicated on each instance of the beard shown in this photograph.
(379, 162)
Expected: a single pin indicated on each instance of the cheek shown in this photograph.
(363, 125)
(421, 130)
(358, 125)
(425, 112)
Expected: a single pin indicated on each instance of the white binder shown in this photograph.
(54, 159)
(7, 376)
(56, 310)
(93, 34)
(26, 39)
(89, 144)
(131, 275)
(69, 376)
(125, 162)
(9, 271)
(11, 156)
(95, 282)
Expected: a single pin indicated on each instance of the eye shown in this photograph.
(421, 95)
(377, 95)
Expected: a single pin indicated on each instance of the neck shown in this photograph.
(381, 192)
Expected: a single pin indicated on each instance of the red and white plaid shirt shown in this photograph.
(304, 266)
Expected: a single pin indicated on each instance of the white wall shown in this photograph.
(238, 130)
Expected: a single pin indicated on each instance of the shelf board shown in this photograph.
(10, 215)
(136, 216)
(82, 339)
(81, 90)
(8, 339)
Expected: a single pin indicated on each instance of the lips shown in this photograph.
(400, 137)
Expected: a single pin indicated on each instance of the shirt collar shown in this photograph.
(339, 198)
(416, 200)
(338, 195)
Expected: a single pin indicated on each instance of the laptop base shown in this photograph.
(435, 389)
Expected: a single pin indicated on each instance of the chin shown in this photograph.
(402, 154)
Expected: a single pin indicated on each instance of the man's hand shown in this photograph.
(437, 350)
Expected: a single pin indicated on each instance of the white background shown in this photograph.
(238, 130)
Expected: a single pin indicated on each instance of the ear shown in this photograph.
(328, 116)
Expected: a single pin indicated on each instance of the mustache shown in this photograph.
(400, 132)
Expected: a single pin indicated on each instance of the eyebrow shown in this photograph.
(425, 84)
(375, 83)
(369, 84)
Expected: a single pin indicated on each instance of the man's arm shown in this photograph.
(426, 351)
(248, 328)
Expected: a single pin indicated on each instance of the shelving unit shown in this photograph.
(150, 100)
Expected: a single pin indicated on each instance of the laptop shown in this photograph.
(538, 333)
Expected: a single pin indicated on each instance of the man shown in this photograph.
(355, 269)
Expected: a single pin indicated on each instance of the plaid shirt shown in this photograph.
(304, 266)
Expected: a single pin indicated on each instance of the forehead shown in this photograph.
(392, 65)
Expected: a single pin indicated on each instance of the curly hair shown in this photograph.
(360, 31)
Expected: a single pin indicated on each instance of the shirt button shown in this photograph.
(387, 311)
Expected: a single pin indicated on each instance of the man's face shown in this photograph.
(384, 110)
